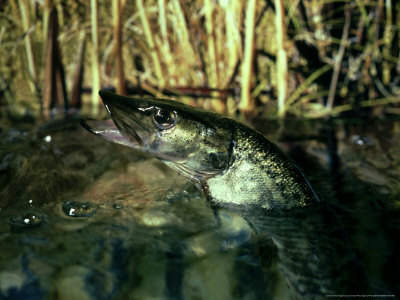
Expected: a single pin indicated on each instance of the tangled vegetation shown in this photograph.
(307, 58)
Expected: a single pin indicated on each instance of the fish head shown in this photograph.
(185, 138)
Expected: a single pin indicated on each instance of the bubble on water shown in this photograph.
(78, 209)
(27, 221)
(47, 138)
(31, 219)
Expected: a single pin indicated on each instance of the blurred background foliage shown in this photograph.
(276, 58)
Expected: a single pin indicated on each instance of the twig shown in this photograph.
(338, 59)
(367, 103)
(305, 84)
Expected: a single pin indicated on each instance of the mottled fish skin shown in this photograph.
(233, 163)
(260, 174)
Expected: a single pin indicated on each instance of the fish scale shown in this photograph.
(278, 183)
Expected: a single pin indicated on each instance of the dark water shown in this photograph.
(81, 218)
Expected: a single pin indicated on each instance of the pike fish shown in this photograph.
(238, 168)
(231, 162)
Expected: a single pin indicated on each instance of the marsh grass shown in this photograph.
(278, 58)
(95, 55)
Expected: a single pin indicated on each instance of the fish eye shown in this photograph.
(164, 119)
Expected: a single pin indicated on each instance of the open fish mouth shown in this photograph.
(110, 131)
(125, 126)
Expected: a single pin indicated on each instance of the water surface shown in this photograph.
(81, 218)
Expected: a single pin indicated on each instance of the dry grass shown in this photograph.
(285, 58)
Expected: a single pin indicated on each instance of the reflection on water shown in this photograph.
(81, 218)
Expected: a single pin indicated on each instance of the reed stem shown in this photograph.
(95, 57)
(233, 43)
(164, 45)
(212, 57)
(183, 31)
(149, 38)
(388, 38)
(281, 57)
(45, 29)
(117, 16)
(55, 90)
(24, 11)
(162, 20)
(246, 104)
(76, 93)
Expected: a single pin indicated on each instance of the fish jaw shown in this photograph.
(126, 127)
(109, 131)
(132, 125)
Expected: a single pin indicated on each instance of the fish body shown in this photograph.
(239, 169)
(234, 164)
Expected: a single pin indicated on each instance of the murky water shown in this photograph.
(81, 218)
